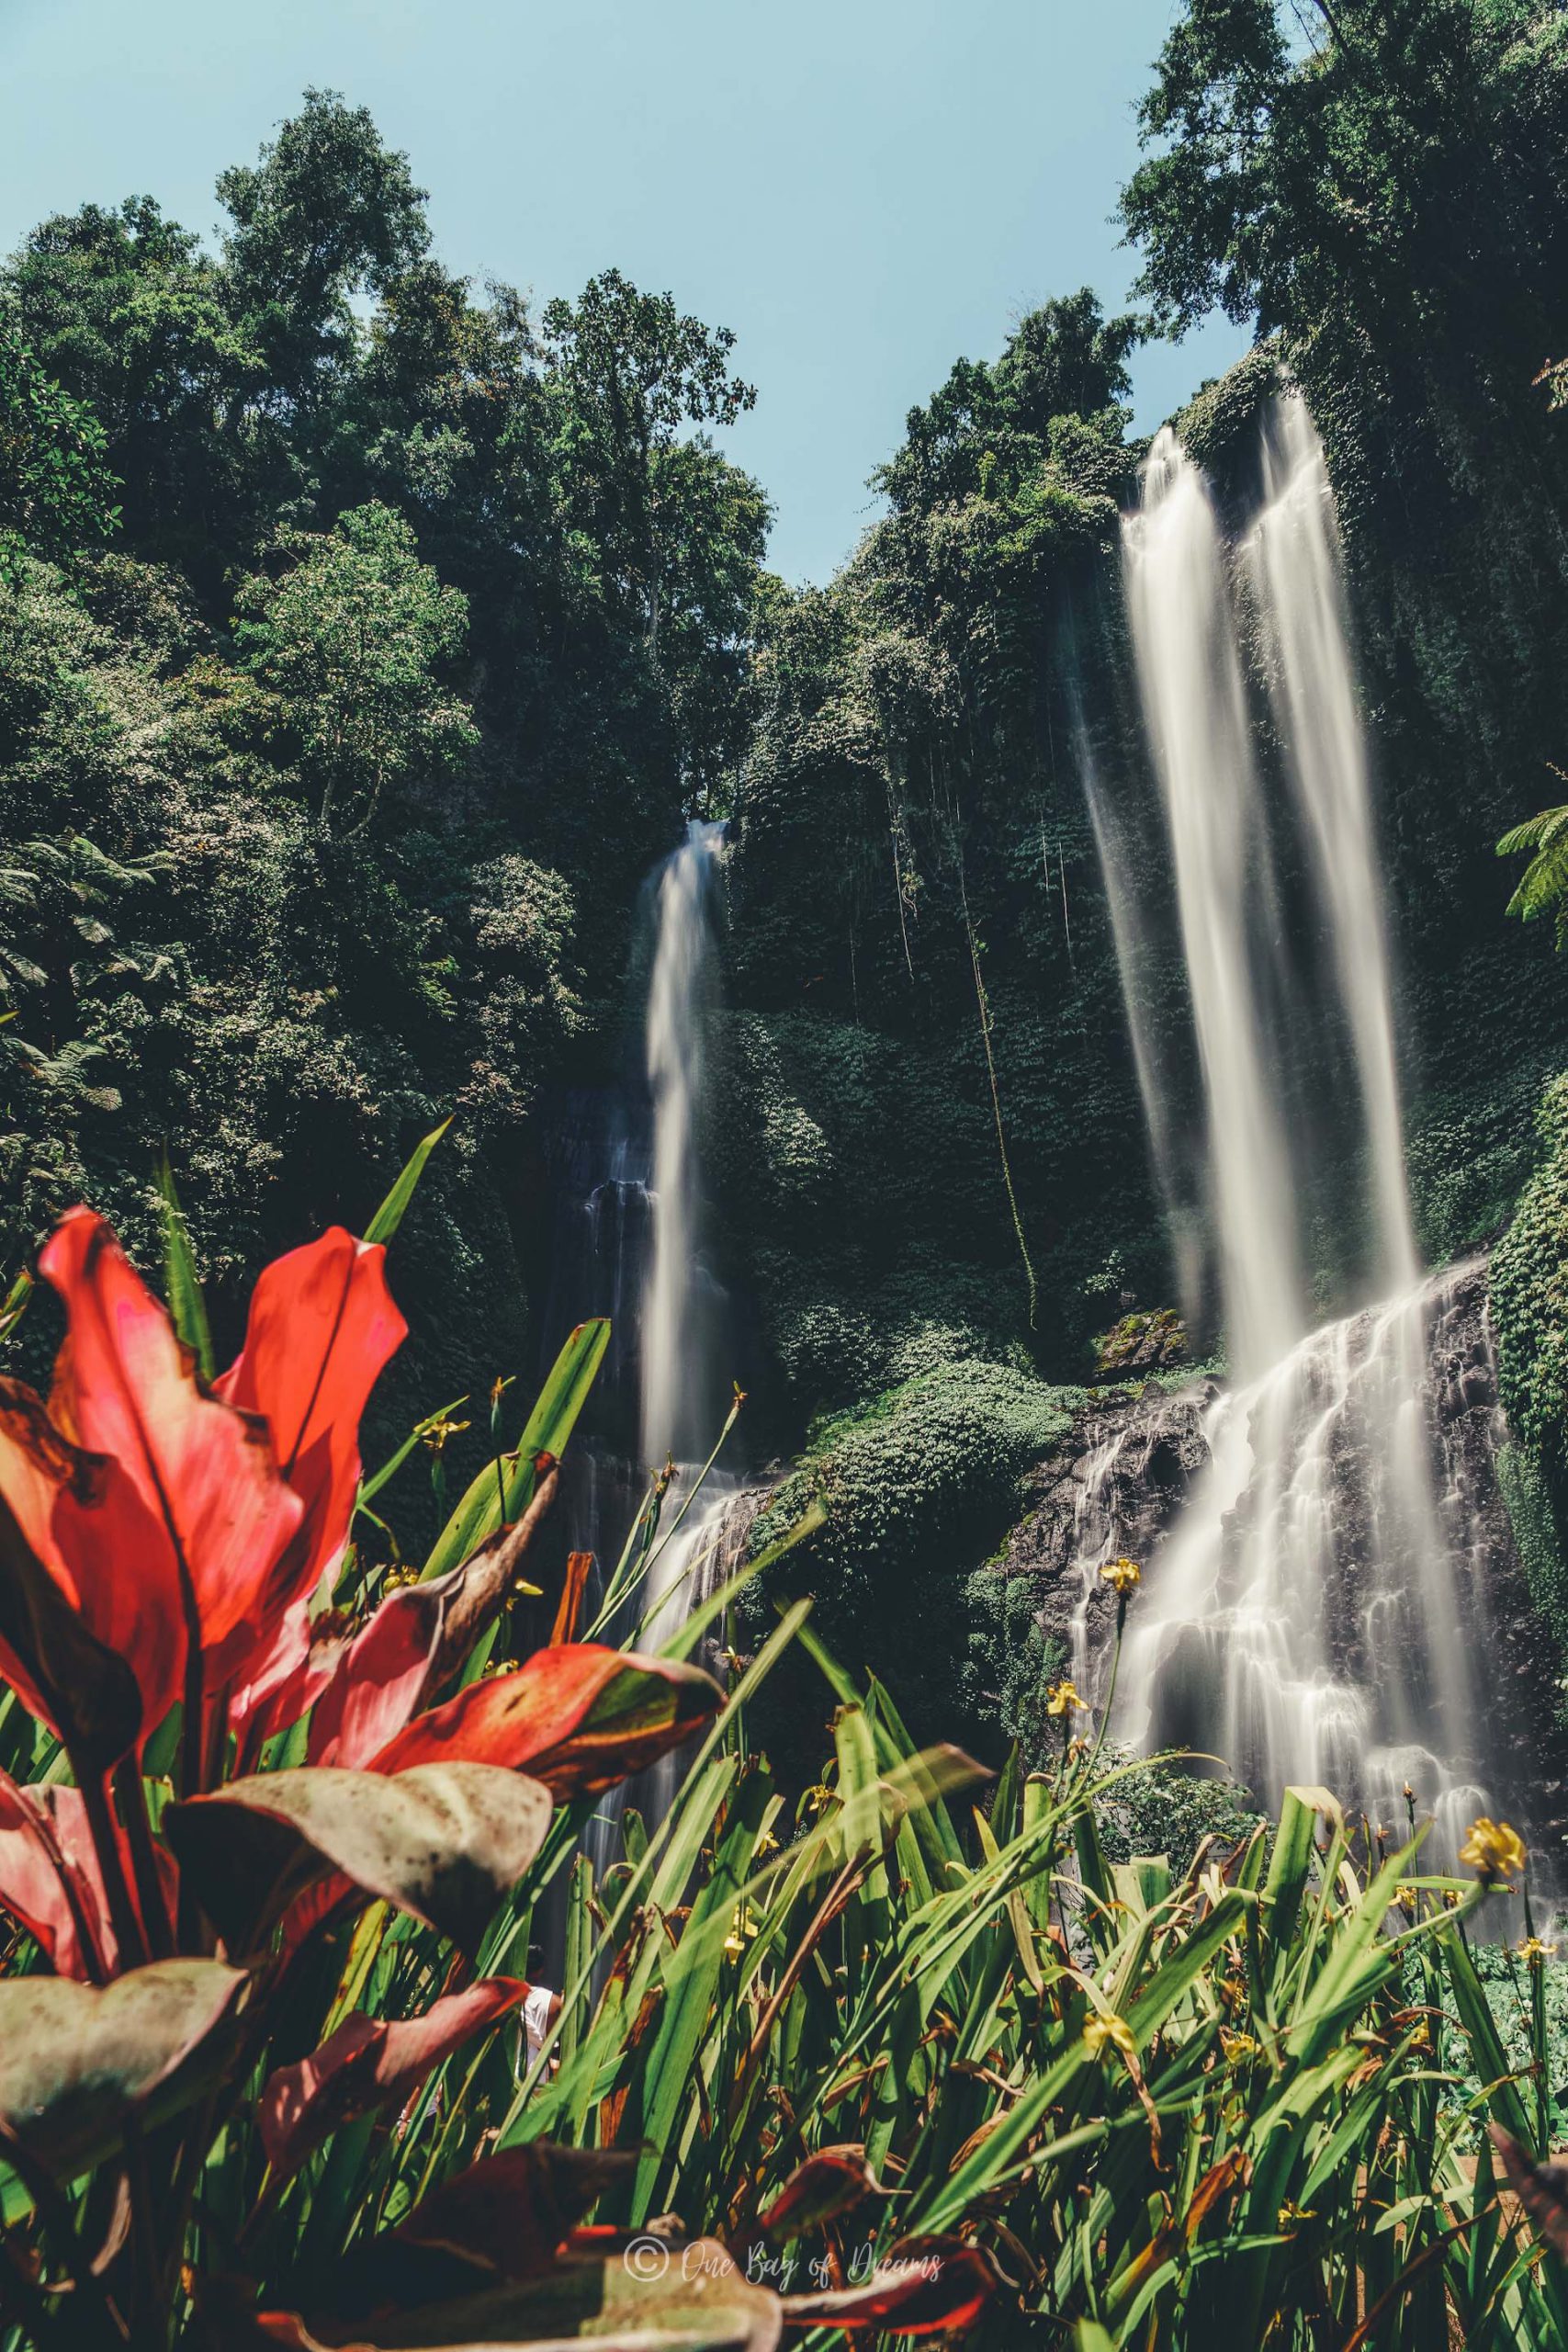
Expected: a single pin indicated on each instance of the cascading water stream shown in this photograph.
(681, 1409)
(1186, 1242)
(1195, 713)
(1313, 1615)
(1293, 552)
(632, 1247)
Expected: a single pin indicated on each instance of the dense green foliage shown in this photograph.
(362, 639)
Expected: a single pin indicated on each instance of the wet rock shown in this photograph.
(1118, 1480)
(1141, 1344)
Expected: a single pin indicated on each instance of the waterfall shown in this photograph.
(676, 1381)
(1314, 1614)
(1195, 713)
(630, 1244)
(682, 1401)
(1293, 551)
(1122, 903)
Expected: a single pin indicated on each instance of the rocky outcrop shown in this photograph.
(1111, 1488)
(1135, 1459)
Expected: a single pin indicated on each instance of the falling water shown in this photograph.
(1293, 550)
(681, 1404)
(675, 1388)
(1313, 1615)
(1121, 899)
(1314, 1609)
(631, 1245)
(1195, 711)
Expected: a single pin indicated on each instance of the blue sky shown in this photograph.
(863, 189)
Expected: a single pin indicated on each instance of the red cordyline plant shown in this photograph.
(168, 1546)
(251, 1814)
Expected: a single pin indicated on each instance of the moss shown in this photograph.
(1540, 1547)
(1217, 421)
(1140, 1342)
(919, 1483)
(1529, 1300)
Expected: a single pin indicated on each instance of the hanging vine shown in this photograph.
(986, 1017)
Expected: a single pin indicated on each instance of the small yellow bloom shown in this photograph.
(743, 1930)
(1062, 1698)
(1114, 2030)
(1122, 1575)
(437, 1432)
(1493, 1849)
(1291, 2216)
(1534, 1952)
(1239, 2048)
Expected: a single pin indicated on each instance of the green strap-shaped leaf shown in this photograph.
(390, 1214)
(186, 1305)
(512, 1480)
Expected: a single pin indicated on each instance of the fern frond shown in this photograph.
(1534, 833)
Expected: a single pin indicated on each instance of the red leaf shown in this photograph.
(925, 2286)
(825, 2186)
(377, 1682)
(46, 1887)
(579, 1717)
(82, 1518)
(369, 2064)
(124, 1386)
(321, 1327)
(50, 1879)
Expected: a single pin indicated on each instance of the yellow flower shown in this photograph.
(1534, 1952)
(436, 1432)
(742, 1930)
(1122, 1575)
(1291, 2215)
(1062, 1696)
(1493, 1849)
(1116, 2030)
(1239, 2047)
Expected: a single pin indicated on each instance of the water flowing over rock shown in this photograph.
(1200, 735)
(631, 1245)
(1310, 1611)
(1333, 1596)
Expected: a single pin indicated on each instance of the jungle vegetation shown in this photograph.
(365, 635)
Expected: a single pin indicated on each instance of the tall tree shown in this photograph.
(348, 644)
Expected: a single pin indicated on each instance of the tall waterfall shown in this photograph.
(1195, 712)
(1293, 550)
(630, 1245)
(1314, 1614)
(675, 1388)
